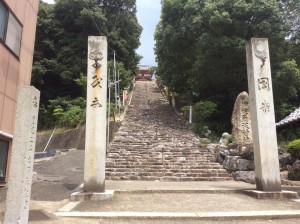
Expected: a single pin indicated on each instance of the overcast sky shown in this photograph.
(148, 16)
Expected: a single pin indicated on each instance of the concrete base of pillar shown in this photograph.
(272, 194)
(92, 196)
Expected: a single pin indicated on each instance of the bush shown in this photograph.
(203, 110)
(294, 147)
(288, 134)
(112, 109)
(62, 112)
(72, 117)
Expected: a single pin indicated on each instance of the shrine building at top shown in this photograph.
(144, 73)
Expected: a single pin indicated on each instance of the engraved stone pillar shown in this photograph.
(241, 121)
(22, 155)
(262, 114)
(95, 142)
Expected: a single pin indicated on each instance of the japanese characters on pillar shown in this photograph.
(95, 143)
(245, 121)
(22, 157)
(262, 113)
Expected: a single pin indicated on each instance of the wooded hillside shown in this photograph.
(200, 48)
(60, 57)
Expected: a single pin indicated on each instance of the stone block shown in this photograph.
(245, 151)
(241, 120)
(235, 163)
(245, 176)
(224, 153)
(211, 148)
(22, 155)
(245, 165)
(96, 107)
(230, 162)
(186, 179)
(272, 194)
(92, 196)
(262, 115)
(294, 171)
(285, 160)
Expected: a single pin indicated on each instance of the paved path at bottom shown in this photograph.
(185, 203)
(58, 177)
(188, 202)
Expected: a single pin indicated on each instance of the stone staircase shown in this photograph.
(154, 144)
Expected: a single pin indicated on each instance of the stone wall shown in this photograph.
(71, 139)
(238, 160)
(67, 140)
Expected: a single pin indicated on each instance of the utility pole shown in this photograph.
(109, 85)
(119, 100)
(190, 114)
(108, 114)
(114, 78)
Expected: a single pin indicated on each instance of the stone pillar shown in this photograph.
(22, 156)
(262, 115)
(241, 121)
(95, 142)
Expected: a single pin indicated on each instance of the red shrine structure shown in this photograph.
(144, 73)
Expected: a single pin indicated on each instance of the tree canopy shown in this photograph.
(60, 57)
(200, 50)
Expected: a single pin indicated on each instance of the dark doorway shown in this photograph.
(4, 146)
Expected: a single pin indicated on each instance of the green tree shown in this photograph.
(286, 88)
(201, 50)
(60, 57)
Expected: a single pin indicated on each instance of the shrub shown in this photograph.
(203, 110)
(72, 117)
(294, 147)
(185, 108)
(112, 109)
(230, 139)
(62, 112)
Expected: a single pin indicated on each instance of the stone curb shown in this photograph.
(186, 191)
(242, 215)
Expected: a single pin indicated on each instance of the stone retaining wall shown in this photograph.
(71, 139)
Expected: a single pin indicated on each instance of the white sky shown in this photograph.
(148, 14)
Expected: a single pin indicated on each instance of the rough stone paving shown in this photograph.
(154, 144)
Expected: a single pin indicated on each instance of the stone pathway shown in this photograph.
(154, 144)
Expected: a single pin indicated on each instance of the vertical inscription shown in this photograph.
(96, 56)
(263, 84)
(267, 173)
(265, 106)
(241, 120)
(260, 51)
(29, 158)
(245, 121)
(95, 103)
(96, 118)
(23, 146)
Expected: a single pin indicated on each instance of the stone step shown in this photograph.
(132, 163)
(166, 166)
(154, 178)
(154, 144)
(166, 172)
(154, 152)
(137, 147)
